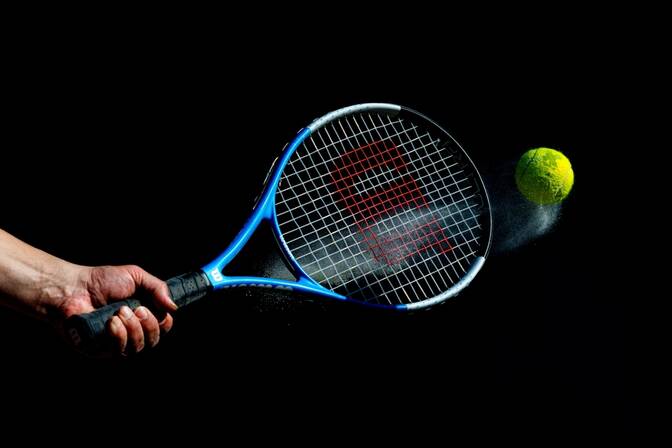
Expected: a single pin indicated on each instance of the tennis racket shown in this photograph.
(373, 203)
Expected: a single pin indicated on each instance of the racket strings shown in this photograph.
(405, 219)
(368, 208)
(409, 222)
(377, 209)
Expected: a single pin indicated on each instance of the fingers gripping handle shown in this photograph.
(87, 331)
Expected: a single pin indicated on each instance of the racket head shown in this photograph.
(378, 204)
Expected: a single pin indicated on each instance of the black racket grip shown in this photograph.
(187, 288)
(87, 331)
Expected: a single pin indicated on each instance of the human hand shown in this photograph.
(45, 287)
(130, 330)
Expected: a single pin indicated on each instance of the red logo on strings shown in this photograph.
(401, 237)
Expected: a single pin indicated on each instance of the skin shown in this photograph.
(47, 288)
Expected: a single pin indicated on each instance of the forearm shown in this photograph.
(32, 281)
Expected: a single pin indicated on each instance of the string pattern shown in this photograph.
(381, 209)
(367, 208)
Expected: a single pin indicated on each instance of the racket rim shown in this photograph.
(265, 209)
(479, 177)
(476, 263)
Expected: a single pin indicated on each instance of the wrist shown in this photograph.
(57, 285)
(37, 283)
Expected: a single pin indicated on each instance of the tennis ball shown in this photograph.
(544, 176)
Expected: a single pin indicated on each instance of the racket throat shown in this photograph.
(260, 257)
(255, 282)
(301, 285)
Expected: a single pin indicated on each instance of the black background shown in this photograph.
(151, 152)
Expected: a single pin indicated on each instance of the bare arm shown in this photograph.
(38, 284)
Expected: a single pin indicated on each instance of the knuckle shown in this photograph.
(136, 272)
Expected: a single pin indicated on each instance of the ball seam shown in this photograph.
(534, 156)
(529, 162)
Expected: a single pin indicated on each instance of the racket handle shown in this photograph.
(187, 288)
(87, 331)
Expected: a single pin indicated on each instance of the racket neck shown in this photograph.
(264, 210)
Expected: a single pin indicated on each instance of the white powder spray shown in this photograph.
(516, 220)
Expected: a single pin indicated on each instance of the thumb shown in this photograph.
(156, 287)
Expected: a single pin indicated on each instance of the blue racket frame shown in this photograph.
(265, 211)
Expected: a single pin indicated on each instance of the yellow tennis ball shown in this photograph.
(544, 176)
